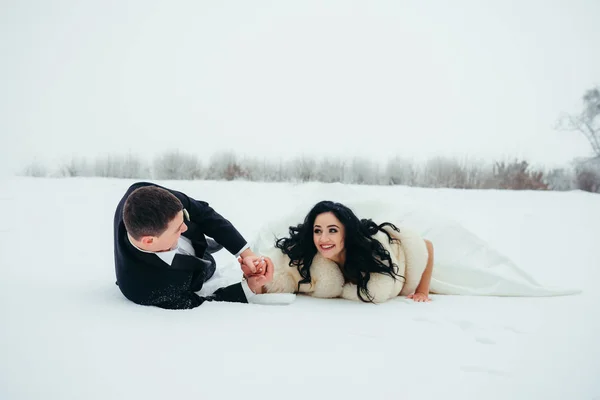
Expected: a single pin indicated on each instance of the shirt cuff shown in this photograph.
(246, 247)
(247, 291)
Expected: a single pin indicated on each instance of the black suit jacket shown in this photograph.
(146, 279)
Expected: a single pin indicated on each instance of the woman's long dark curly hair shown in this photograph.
(364, 254)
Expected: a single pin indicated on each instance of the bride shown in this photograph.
(333, 253)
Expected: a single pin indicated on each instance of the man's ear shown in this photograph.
(147, 239)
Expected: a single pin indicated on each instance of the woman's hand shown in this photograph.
(252, 265)
(419, 297)
(257, 281)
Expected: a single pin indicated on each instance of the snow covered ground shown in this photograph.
(66, 332)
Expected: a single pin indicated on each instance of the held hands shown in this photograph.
(258, 271)
(419, 297)
(252, 265)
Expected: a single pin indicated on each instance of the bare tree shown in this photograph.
(302, 169)
(587, 121)
(226, 165)
(271, 170)
(400, 171)
(255, 170)
(77, 166)
(104, 166)
(444, 172)
(133, 167)
(260, 170)
(477, 172)
(518, 175)
(363, 171)
(36, 170)
(330, 170)
(126, 166)
(177, 165)
(587, 175)
(560, 179)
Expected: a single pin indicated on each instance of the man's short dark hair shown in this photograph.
(148, 211)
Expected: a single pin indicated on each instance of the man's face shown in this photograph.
(168, 239)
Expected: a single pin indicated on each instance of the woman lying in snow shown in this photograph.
(333, 253)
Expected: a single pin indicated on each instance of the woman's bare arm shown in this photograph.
(422, 291)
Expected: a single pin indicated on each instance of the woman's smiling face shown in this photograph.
(328, 236)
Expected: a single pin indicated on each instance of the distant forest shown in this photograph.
(438, 172)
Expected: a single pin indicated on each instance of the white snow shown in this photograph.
(66, 332)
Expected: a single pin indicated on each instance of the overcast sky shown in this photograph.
(278, 78)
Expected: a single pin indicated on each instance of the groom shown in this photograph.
(162, 256)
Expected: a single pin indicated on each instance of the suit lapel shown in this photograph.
(197, 238)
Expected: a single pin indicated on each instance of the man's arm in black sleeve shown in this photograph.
(212, 223)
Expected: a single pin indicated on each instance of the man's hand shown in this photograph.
(419, 297)
(257, 281)
(252, 265)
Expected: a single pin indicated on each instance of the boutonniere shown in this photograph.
(186, 214)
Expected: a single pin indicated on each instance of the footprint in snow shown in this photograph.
(484, 340)
(470, 327)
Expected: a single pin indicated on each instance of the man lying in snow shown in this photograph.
(162, 256)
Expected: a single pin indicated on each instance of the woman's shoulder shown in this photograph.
(403, 238)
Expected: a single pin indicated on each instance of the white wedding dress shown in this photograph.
(464, 263)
